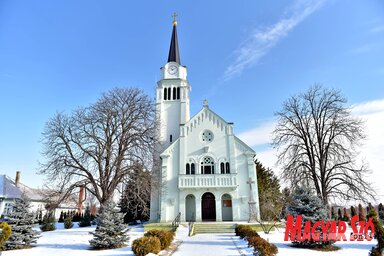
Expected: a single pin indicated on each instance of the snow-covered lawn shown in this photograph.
(74, 242)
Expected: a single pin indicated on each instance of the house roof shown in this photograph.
(9, 190)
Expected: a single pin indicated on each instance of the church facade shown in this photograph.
(205, 173)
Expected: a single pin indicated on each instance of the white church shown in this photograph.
(206, 173)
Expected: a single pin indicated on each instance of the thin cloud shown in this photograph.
(377, 29)
(372, 112)
(259, 135)
(261, 41)
(368, 107)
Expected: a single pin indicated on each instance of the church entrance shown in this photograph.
(226, 207)
(190, 208)
(208, 207)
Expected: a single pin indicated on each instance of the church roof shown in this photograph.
(174, 55)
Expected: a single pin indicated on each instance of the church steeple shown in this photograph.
(174, 55)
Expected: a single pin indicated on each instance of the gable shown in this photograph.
(203, 116)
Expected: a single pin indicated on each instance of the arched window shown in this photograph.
(227, 170)
(165, 93)
(174, 93)
(192, 168)
(187, 171)
(207, 165)
(169, 93)
(178, 93)
(222, 171)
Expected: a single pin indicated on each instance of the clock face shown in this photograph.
(172, 69)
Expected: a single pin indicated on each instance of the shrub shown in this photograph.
(48, 223)
(379, 234)
(5, 234)
(147, 244)
(165, 237)
(21, 221)
(110, 231)
(244, 231)
(262, 247)
(86, 220)
(68, 222)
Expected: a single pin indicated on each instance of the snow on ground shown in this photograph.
(205, 244)
(74, 242)
(348, 248)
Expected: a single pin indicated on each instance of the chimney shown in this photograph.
(17, 179)
(81, 199)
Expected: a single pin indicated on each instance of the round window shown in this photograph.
(207, 136)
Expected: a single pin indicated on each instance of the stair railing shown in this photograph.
(176, 222)
(190, 225)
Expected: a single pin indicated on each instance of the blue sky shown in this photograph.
(245, 57)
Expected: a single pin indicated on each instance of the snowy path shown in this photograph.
(205, 244)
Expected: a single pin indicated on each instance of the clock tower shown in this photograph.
(172, 95)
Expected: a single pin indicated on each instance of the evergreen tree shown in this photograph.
(311, 208)
(339, 216)
(361, 213)
(136, 196)
(270, 197)
(286, 199)
(61, 218)
(346, 215)
(379, 234)
(381, 211)
(333, 214)
(49, 222)
(21, 222)
(110, 231)
(68, 222)
(353, 211)
(86, 219)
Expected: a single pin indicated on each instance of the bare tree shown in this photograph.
(97, 146)
(317, 140)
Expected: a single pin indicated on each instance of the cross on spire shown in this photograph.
(174, 15)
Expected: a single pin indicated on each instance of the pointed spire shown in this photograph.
(174, 48)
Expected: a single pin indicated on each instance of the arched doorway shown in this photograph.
(190, 208)
(208, 207)
(226, 207)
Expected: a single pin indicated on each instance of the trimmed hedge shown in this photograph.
(244, 231)
(165, 237)
(146, 244)
(261, 246)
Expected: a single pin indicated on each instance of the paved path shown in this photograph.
(205, 244)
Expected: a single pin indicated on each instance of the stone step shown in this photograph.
(213, 228)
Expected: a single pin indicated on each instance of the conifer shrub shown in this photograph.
(361, 213)
(61, 218)
(21, 221)
(48, 223)
(5, 234)
(312, 209)
(86, 220)
(379, 234)
(244, 231)
(146, 244)
(68, 222)
(165, 237)
(261, 246)
(110, 231)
